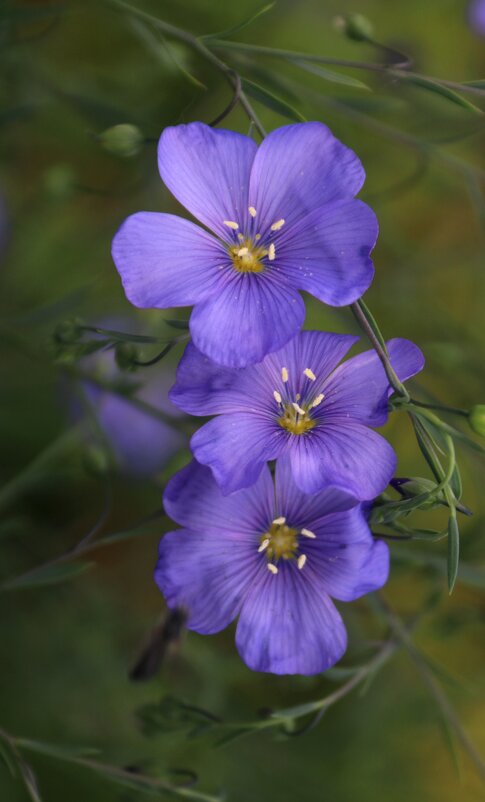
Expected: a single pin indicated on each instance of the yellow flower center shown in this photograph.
(246, 256)
(283, 542)
(296, 421)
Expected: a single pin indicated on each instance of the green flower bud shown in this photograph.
(96, 461)
(124, 140)
(355, 27)
(412, 486)
(59, 181)
(126, 354)
(69, 332)
(476, 419)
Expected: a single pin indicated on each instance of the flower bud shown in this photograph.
(96, 461)
(126, 354)
(69, 332)
(476, 419)
(355, 27)
(124, 140)
(412, 486)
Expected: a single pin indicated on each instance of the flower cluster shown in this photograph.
(279, 218)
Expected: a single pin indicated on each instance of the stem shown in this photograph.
(440, 408)
(369, 326)
(199, 47)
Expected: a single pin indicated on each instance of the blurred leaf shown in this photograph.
(47, 575)
(177, 324)
(54, 750)
(456, 483)
(8, 757)
(330, 75)
(434, 86)
(272, 102)
(240, 26)
(453, 551)
(171, 714)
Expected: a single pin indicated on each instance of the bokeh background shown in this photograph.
(70, 71)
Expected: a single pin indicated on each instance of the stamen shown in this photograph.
(284, 374)
(271, 252)
(272, 568)
(277, 397)
(252, 211)
(298, 408)
(309, 374)
(264, 545)
(242, 251)
(280, 521)
(240, 237)
(318, 400)
(308, 533)
(301, 561)
(279, 224)
(231, 224)
(297, 397)
(258, 236)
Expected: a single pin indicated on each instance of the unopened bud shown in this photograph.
(410, 487)
(68, 332)
(126, 355)
(476, 419)
(355, 27)
(124, 140)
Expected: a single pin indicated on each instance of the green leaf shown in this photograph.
(47, 575)
(453, 552)
(455, 482)
(54, 750)
(330, 75)
(444, 91)
(241, 25)
(272, 102)
(477, 84)
(177, 324)
(8, 757)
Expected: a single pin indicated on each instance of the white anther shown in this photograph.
(309, 374)
(301, 561)
(258, 236)
(298, 408)
(279, 224)
(242, 251)
(280, 521)
(271, 252)
(264, 545)
(318, 400)
(308, 533)
(272, 568)
(284, 374)
(240, 237)
(277, 397)
(231, 224)
(252, 211)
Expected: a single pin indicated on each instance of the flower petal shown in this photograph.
(207, 573)
(205, 388)
(347, 571)
(299, 168)
(287, 627)
(328, 252)
(301, 509)
(166, 261)
(360, 387)
(248, 318)
(343, 454)
(236, 446)
(193, 499)
(207, 169)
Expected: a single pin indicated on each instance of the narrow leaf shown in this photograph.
(47, 575)
(272, 102)
(241, 25)
(330, 75)
(453, 551)
(438, 89)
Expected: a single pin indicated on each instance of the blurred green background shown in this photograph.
(69, 71)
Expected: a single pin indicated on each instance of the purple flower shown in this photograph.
(273, 556)
(476, 16)
(296, 402)
(282, 218)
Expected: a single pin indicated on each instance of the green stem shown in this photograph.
(440, 408)
(368, 324)
(199, 47)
